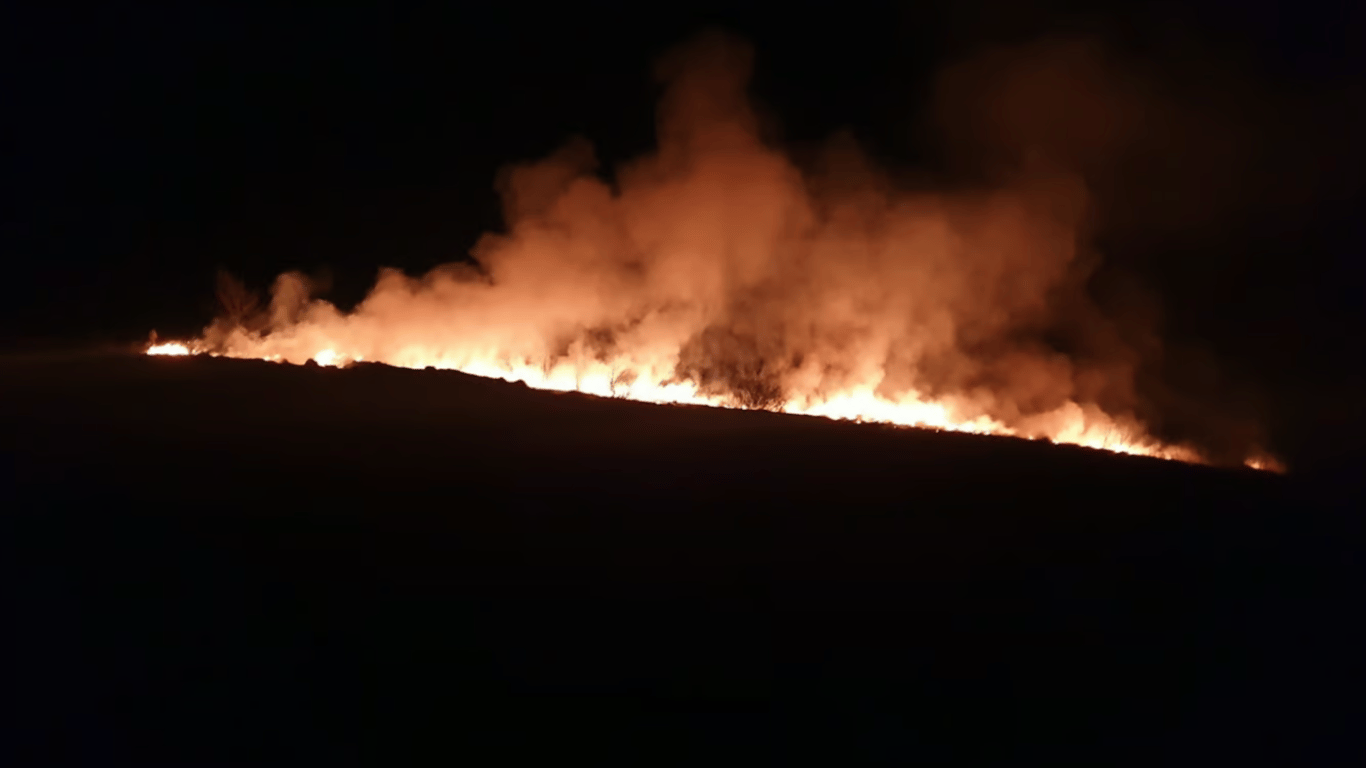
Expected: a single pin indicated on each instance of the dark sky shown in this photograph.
(145, 147)
(153, 145)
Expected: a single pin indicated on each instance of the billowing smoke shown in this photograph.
(717, 270)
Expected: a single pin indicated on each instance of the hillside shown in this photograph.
(232, 559)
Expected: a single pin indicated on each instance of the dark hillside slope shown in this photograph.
(229, 560)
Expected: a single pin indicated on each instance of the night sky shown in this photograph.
(145, 148)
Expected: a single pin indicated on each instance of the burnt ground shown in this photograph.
(235, 562)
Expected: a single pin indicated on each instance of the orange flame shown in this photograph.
(169, 348)
(1073, 425)
(716, 272)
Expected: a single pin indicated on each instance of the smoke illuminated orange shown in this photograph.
(716, 272)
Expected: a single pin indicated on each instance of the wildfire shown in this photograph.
(1265, 464)
(1074, 426)
(169, 348)
(716, 272)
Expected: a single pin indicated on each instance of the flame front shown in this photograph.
(1072, 424)
(174, 348)
(716, 272)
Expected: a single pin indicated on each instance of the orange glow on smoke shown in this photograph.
(715, 271)
(1265, 464)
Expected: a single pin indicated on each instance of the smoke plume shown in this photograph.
(717, 270)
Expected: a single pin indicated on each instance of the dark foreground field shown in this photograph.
(230, 562)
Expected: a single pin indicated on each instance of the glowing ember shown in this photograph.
(168, 348)
(1265, 464)
(717, 272)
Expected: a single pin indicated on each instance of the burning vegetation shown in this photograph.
(716, 271)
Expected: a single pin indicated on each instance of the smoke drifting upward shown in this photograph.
(715, 270)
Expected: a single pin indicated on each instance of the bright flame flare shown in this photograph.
(173, 348)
